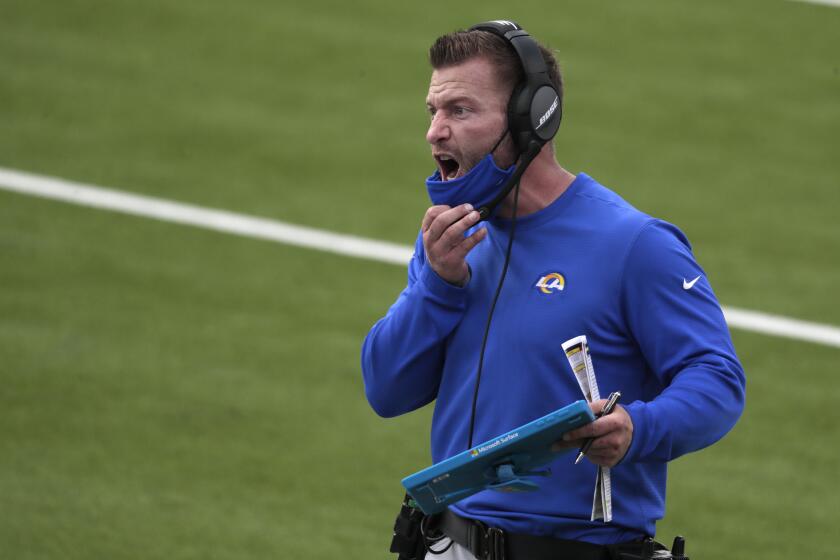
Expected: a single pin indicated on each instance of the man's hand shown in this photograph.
(613, 434)
(444, 242)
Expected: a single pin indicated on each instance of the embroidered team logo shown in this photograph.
(551, 283)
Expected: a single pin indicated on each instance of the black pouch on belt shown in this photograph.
(408, 537)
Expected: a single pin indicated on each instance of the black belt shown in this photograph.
(490, 543)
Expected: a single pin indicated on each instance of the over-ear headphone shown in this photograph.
(535, 107)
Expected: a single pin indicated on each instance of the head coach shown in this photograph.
(515, 256)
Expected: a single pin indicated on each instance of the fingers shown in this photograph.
(606, 450)
(594, 429)
(598, 406)
(598, 428)
(611, 436)
(444, 241)
(465, 246)
(431, 214)
(448, 225)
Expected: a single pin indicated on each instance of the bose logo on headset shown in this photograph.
(550, 111)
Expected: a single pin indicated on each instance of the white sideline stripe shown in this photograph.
(835, 3)
(777, 325)
(218, 220)
(262, 228)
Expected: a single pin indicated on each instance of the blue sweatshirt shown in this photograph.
(588, 264)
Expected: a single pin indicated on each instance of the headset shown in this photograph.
(535, 108)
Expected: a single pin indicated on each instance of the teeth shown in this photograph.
(448, 166)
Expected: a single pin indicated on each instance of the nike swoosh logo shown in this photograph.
(689, 285)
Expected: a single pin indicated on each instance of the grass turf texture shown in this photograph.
(172, 393)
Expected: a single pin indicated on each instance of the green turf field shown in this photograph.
(169, 392)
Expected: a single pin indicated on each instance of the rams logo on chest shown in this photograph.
(551, 283)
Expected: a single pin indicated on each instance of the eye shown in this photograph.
(460, 111)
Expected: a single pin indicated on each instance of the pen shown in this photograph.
(608, 407)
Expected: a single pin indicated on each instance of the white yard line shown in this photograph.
(835, 3)
(207, 218)
(778, 325)
(371, 249)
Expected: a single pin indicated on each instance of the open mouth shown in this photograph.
(448, 166)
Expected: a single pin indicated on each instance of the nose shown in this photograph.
(438, 129)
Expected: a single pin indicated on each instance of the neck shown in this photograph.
(542, 183)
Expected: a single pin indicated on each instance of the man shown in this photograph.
(627, 281)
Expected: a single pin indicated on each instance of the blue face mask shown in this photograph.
(478, 187)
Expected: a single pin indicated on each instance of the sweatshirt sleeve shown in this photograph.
(403, 354)
(674, 316)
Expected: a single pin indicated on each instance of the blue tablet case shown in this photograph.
(502, 463)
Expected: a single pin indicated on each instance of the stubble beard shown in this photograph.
(503, 157)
